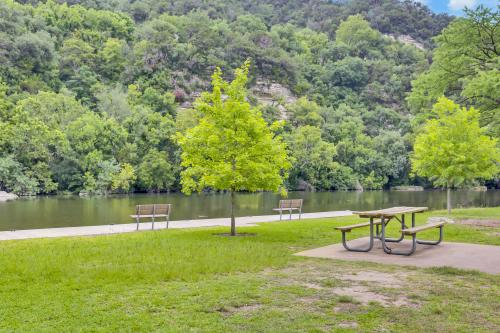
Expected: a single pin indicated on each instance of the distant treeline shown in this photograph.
(91, 91)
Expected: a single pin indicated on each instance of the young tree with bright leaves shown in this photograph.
(232, 148)
(452, 148)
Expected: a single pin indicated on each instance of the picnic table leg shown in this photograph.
(388, 250)
(427, 242)
(397, 240)
(370, 246)
(137, 221)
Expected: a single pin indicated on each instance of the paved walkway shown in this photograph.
(484, 258)
(131, 227)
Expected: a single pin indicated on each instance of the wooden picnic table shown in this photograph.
(385, 216)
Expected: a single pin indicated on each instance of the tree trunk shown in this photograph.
(448, 199)
(233, 221)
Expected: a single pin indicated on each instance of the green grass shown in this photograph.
(194, 281)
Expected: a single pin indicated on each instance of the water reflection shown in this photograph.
(57, 211)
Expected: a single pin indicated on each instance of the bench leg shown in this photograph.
(137, 221)
(168, 218)
(152, 223)
(370, 245)
(388, 250)
(300, 213)
(427, 242)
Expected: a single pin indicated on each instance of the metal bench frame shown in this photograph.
(290, 205)
(346, 229)
(415, 241)
(152, 211)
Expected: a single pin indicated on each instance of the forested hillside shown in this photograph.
(92, 91)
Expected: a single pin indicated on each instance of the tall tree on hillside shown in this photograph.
(465, 67)
(453, 150)
(232, 148)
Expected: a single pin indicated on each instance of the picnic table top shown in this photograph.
(393, 211)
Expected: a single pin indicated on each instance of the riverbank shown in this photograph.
(71, 211)
(146, 226)
(191, 280)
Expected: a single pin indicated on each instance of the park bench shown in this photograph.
(289, 206)
(153, 212)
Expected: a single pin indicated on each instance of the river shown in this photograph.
(64, 211)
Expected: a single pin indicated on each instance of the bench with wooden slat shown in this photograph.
(348, 228)
(289, 206)
(153, 212)
(414, 230)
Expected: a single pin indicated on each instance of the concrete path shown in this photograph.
(131, 227)
(484, 258)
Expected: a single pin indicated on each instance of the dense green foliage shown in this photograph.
(232, 148)
(452, 149)
(92, 92)
(465, 68)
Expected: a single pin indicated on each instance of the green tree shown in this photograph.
(357, 34)
(465, 67)
(124, 179)
(155, 172)
(231, 148)
(453, 150)
(312, 157)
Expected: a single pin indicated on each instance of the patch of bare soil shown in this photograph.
(481, 223)
(229, 310)
(348, 324)
(358, 287)
(365, 296)
(387, 279)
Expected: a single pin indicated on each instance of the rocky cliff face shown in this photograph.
(408, 40)
(272, 93)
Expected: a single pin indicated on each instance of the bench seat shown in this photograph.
(146, 216)
(414, 230)
(348, 228)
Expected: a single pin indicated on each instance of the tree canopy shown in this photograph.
(231, 148)
(465, 67)
(101, 87)
(453, 149)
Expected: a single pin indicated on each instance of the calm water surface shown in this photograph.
(59, 211)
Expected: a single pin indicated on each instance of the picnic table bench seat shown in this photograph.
(348, 228)
(413, 233)
(414, 230)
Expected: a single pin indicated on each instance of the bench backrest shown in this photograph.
(156, 209)
(293, 203)
(144, 209)
(162, 209)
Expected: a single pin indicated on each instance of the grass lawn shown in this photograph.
(193, 281)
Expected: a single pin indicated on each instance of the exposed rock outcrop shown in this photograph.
(408, 40)
(275, 94)
(4, 196)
